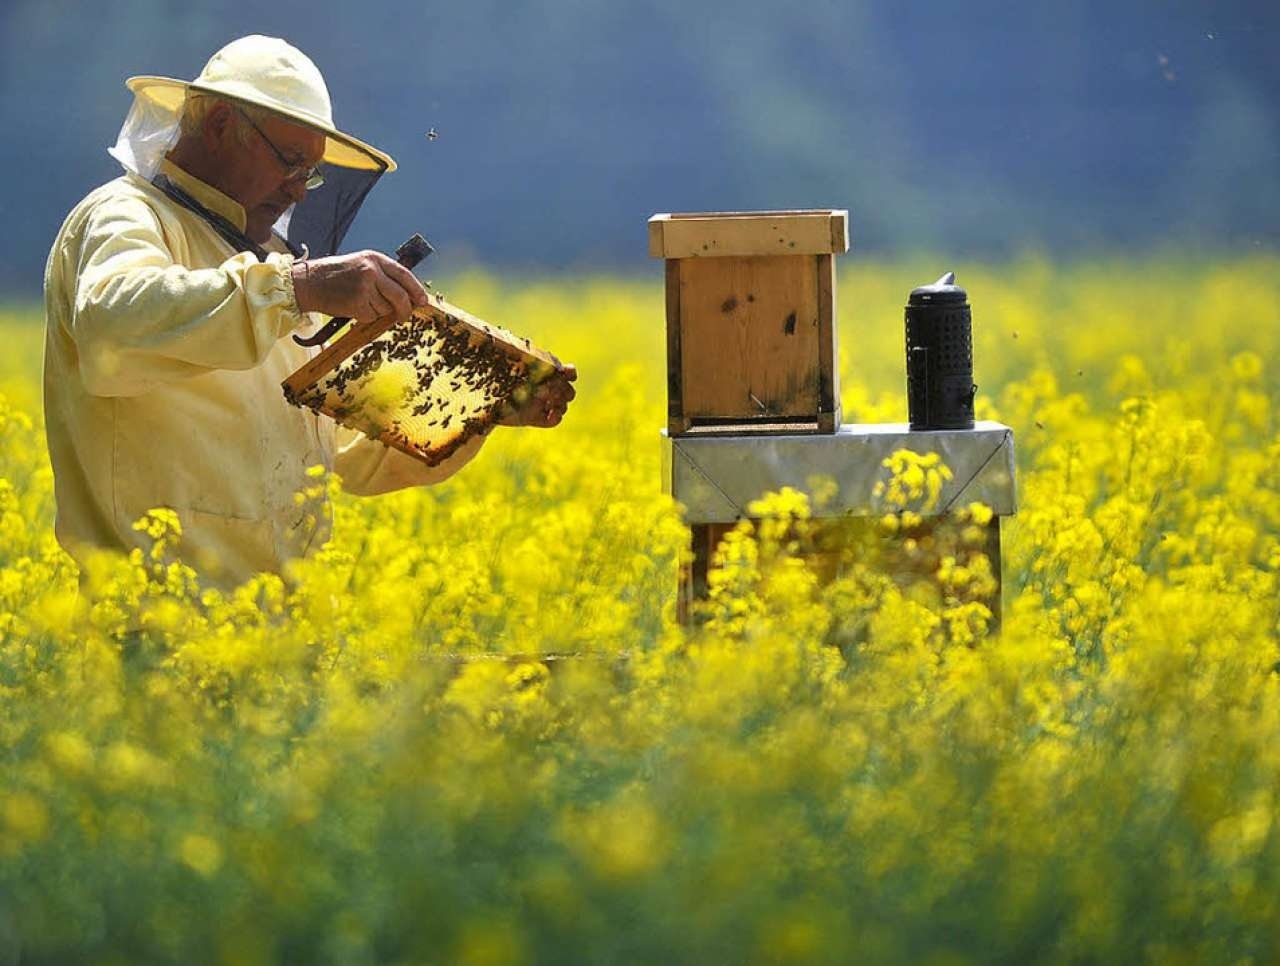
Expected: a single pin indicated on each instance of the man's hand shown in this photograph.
(365, 286)
(545, 404)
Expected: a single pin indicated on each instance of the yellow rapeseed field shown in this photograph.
(348, 770)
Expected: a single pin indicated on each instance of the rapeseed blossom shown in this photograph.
(470, 728)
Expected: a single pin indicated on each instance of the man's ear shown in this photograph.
(219, 128)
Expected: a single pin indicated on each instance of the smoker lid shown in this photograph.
(944, 291)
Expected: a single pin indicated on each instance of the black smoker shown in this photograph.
(940, 385)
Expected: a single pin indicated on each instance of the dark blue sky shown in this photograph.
(975, 129)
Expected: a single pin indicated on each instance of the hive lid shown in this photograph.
(711, 234)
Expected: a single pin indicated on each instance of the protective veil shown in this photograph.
(315, 227)
(262, 72)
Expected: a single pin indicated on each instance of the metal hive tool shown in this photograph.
(423, 386)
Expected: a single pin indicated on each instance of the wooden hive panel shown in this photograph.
(749, 331)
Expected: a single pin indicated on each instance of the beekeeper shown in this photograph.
(170, 295)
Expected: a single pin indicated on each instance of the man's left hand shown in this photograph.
(545, 404)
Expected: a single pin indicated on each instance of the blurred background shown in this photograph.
(980, 130)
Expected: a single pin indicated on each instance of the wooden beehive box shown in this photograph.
(751, 330)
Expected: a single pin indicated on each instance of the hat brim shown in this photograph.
(340, 149)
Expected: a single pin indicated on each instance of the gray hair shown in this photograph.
(198, 104)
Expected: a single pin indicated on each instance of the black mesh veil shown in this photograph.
(320, 221)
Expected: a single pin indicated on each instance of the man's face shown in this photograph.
(257, 177)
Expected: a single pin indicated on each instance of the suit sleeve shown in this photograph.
(368, 467)
(140, 319)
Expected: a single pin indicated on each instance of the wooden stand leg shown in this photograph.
(992, 550)
(693, 583)
(706, 538)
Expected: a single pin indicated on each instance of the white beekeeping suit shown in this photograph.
(166, 348)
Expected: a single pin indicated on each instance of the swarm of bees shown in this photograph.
(424, 386)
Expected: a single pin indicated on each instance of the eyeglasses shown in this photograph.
(293, 171)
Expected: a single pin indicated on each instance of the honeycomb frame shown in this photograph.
(425, 385)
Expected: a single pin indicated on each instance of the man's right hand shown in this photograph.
(365, 286)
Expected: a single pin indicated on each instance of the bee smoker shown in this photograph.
(940, 386)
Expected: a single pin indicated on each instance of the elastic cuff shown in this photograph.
(292, 311)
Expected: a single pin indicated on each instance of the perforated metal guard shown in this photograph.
(424, 386)
(939, 344)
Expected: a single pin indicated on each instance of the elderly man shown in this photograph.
(170, 299)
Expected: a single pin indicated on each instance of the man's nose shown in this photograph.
(296, 189)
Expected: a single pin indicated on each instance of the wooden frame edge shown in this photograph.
(828, 348)
(656, 224)
(676, 422)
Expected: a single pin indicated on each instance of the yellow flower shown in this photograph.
(201, 854)
(24, 816)
(619, 840)
(477, 695)
(70, 752)
(1246, 366)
